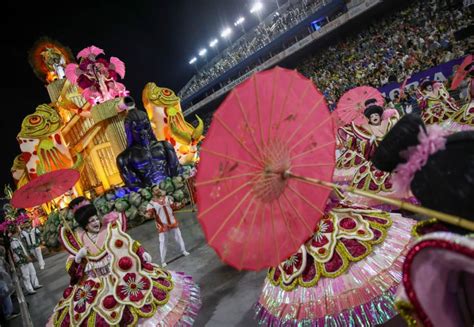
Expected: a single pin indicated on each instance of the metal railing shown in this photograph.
(25, 313)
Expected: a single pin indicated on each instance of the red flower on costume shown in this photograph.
(294, 265)
(84, 295)
(133, 288)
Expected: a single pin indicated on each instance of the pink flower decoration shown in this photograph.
(133, 289)
(85, 295)
(110, 217)
(431, 141)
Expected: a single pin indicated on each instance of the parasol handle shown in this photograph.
(68, 228)
(66, 224)
(450, 219)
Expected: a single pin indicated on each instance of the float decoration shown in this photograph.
(42, 146)
(97, 76)
(146, 161)
(19, 171)
(49, 58)
(164, 110)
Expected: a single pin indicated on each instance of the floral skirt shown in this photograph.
(361, 296)
(174, 301)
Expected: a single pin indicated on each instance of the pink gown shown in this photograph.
(115, 285)
(345, 275)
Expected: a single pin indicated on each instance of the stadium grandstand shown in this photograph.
(339, 45)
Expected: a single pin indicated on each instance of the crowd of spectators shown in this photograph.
(264, 33)
(391, 48)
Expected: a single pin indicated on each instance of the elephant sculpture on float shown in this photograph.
(164, 111)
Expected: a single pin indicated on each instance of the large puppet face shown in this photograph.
(138, 128)
(140, 131)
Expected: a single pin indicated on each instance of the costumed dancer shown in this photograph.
(24, 262)
(32, 238)
(466, 114)
(160, 209)
(345, 275)
(439, 170)
(114, 282)
(436, 104)
(360, 143)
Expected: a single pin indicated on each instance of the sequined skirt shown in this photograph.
(363, 296)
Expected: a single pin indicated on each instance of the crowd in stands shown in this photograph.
(270, 28)
(390, 49)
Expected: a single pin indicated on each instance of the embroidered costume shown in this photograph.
(165, 221)
(358, 143)
(32, 239)
(466, 114)
(117, 285)
(23, 261)
(346, 274)
(436, 103)
(439, 261)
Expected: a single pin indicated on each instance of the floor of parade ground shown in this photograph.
(227, 294)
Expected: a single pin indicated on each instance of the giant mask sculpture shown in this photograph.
(49, 58)
(42, 146)
(146, 161)
(164, 110)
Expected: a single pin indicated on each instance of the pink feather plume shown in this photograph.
(118, 66)
(388, 113)
(84, 53)
(71, 73)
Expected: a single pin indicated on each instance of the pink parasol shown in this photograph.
(273, 125)
(45, 188)
(461, 73)
(351, 105)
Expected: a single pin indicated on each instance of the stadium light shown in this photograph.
(213, 43)
(258, 6)
(193, 60)
(239, 21)
(226, 32)
(202, 52)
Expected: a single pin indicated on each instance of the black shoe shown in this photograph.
(38, 287)
(31, 293)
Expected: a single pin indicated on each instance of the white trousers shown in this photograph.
(28, 273)
(163, 237)
(38, 255)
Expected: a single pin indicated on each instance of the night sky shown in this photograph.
(155, 39)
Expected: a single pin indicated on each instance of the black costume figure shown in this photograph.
(146, 161)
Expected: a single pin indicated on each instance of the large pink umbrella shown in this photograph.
(351, 105)
(461, 74)
(270, 128)
(45, 188)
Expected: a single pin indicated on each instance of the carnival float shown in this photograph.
(84, 126)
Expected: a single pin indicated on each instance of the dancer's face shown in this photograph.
(93, 226)
(374, 119)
